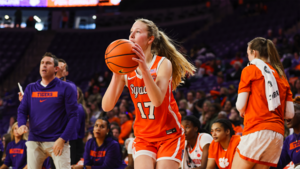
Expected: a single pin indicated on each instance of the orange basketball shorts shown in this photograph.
(170, 149)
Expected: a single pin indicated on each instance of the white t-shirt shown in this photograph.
(193, 156)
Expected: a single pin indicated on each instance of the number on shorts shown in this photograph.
(151, 110)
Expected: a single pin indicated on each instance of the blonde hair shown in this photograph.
(24, 136)
(165, 46)
(81, 101)
(266, 49)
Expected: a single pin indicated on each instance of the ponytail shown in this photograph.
(267, 50)
(165, 46)
(274, 58)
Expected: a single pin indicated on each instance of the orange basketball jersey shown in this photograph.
(153, 123)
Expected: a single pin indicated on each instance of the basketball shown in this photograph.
(118, 57)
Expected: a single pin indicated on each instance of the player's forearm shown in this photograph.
(154, 92)
(241, 103)
(113, 92)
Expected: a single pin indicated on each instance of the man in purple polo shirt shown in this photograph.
(51, 106)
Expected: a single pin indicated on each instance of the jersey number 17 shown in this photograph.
(151, 110)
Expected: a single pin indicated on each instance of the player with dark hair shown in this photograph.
(223, 147)
(197, 144)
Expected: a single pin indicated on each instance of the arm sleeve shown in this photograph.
(112, 158)
(241, 103)
(7, 160)
(86, 154)
(289, 107)
(284, 157)
(71, 109)
(23, 109)
(205, 139)
(289, 110)
(129, 148)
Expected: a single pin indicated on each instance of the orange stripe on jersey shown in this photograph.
(153, 123)
(16, 151)
(44, 94)
(97, 153)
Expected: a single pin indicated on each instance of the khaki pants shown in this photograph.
(37, 152)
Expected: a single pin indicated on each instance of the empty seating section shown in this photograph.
(12, 46)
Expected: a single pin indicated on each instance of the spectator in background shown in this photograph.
(16, 150)
(235, 119)
(280, 36)
(295, 69)
(236, 74)
(204, 111)
(5, 140)
(296, 88)
(208, 67)
(95, 112)
(232, 94)
(112, 117)
(116, 111)
(199, 70)
(105, 80)
(178, 96)
(116, 130)
(227, 107)
(18, 18)
(190, 100)
(183, 105)
(237, 58)
(197, 106)
(126, 125)
(95, 97)
(270, 34)
(102, 151)
(220, 80)
(211, 116)
(183, 113)
(12, 121)
(219, 66)
(77, 146)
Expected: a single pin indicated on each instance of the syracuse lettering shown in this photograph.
(97, 153)
(138, 90)
(44, 94)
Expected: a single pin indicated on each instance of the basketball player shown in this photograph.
(51, 105)
(223, 147)
(264, 100)
(197, 144)
(159, 141)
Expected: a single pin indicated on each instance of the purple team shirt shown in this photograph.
(52, 110)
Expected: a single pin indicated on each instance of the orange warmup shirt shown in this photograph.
(223, 158)
(257, 114)
(125, 130)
